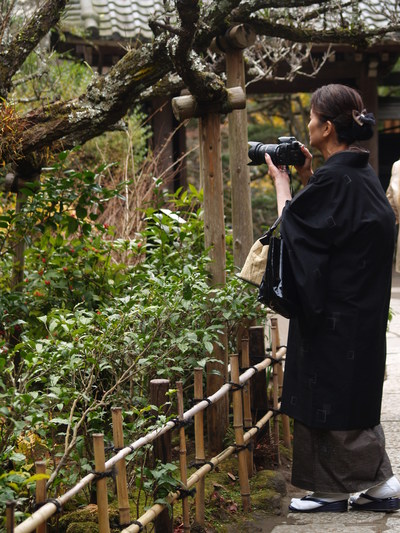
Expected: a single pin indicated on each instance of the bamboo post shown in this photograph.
(275, 388)
(247, 419)
(41, 491)
(285, 419)
(121, 480)
(199, 447)
(162, 450)
(101, 483)
(239, 440)
(182, 458)
(10, 519)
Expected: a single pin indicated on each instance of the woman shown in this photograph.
(339, 231)
(393, 195)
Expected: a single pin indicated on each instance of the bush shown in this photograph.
(84, 331)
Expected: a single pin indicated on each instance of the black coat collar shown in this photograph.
(352, 158)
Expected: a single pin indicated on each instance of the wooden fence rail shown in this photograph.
(103, 468)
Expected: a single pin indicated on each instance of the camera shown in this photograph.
(286, 152)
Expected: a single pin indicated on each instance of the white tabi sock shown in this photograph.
(325, 497)
(387, 489)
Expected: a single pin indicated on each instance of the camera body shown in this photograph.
(286, 152)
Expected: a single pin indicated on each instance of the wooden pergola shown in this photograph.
(364, 69)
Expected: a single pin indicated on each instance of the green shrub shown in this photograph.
(85, 331)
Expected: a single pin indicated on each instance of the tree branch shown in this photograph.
(359, 38)
(26, 40)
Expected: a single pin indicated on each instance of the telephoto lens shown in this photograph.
(286, 152)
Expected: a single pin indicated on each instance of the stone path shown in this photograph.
(353, 522)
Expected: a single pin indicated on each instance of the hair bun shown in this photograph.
(362, 127)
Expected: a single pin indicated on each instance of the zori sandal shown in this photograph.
(322, 506)
(382, 505)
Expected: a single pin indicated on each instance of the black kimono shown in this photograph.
(339, 231)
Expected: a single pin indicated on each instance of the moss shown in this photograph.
(269, 479)
(223, 500)
(85, 520)
(85, 527)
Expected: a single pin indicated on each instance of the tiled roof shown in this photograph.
(111, 19)
(127, 19)
(373, 14)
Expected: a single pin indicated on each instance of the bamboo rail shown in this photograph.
(55, 505)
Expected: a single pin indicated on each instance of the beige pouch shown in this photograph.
(255, 264)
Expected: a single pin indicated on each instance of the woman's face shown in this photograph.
(315, 129)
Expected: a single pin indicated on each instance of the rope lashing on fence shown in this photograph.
(49, 500)
(195, 401)
(50, 508)
(235, 386)
(107, 473)
(181, 423)
(199, 464)
(136, 523)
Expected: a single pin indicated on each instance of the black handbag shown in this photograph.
(277, 289)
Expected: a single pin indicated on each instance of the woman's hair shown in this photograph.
(343, 106)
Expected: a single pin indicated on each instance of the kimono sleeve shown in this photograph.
(310, 224)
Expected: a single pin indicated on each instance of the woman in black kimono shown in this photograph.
(339, 231)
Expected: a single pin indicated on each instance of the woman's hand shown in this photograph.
(305, 171)
(281, 181)
(276, 173)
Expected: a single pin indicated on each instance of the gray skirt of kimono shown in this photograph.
(339, 461)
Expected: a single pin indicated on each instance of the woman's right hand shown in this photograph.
(305, 171)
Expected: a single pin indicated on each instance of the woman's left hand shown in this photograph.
(281, 181)
(276, 173)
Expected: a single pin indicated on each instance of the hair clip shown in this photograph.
(357, 116)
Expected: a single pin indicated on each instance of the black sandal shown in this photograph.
(339, 506)
(379, 505)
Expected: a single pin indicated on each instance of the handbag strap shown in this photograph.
(264, 239)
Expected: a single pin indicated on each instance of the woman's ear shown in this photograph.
(328, 128)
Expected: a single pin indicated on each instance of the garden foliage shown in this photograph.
(84, 331)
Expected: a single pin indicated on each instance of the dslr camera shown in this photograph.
(286, 152)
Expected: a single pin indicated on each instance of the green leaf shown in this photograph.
(17, 457)
(81, 212)
(73, 225)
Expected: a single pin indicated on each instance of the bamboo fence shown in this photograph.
(241, 413)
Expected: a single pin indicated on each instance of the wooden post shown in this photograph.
(211, 171)
(214, 231)
(121, 480)
(41, 491)
(199, 447)
(10, 519)
(247, 399)
(275, 389)
(285, 419)
(239, 440)
(182, 458)
(214, 236)
(101, 483)
(259, 400)
(242, 220)
(161, 449)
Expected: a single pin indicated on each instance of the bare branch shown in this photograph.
(26, 40)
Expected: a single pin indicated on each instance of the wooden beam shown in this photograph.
(237, 37)
(187, 106)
